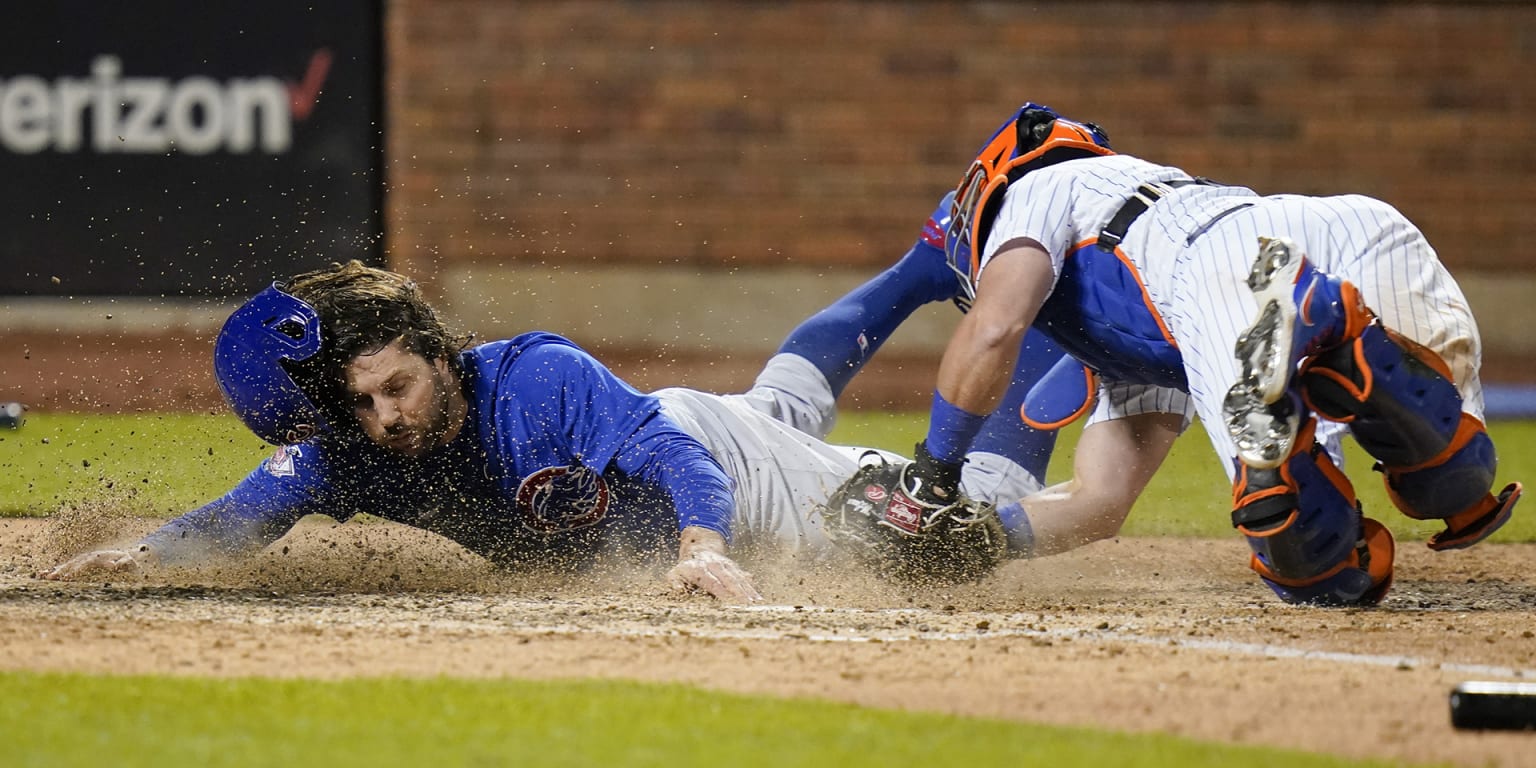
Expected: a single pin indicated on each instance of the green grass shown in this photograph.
(163, 464)
(159, 464)
(69, 720)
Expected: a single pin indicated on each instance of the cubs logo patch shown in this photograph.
(281, 464)
(875, 493)
(556, 499)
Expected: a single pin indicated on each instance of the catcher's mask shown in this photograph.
(1033, 138)
(249, 357)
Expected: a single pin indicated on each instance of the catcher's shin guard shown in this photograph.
(1310, 542)
(1402, 408)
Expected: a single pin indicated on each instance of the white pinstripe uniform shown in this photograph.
(1193, 250)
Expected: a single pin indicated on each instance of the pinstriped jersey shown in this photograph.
(1099, 309)
(1186, 261)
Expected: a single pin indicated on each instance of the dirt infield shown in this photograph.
(1133, 634)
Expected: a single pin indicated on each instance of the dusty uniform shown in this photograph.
(1190, 254)
(558, 459)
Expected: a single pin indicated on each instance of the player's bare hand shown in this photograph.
(703, 566)
(93, 564)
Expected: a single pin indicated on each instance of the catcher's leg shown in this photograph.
(1301, 311)
(1114, 461)
(1310, 542)
(1401, 406)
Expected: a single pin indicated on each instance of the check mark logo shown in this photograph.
(303, 95)
(1306, 303)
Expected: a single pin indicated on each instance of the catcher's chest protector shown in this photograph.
(1099, 314)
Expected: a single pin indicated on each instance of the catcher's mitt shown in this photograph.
(872, 517)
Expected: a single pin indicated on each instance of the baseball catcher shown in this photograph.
(887, 519)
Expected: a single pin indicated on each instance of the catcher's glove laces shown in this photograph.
(875, 516)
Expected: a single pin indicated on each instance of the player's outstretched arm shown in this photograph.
(702, 565)
(256, 512)
(102, 562)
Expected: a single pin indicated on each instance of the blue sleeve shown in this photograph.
(558, 404)
(661, 453)
(255, 513)
(559, 394)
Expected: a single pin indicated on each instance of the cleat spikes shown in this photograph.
(1263, 433)
(1275, 255)
(1266, 348)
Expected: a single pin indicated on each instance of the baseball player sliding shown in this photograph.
(1278, 320)
(526, 450)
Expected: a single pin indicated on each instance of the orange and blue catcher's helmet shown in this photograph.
(1034, 137)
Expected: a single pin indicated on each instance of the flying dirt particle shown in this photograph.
(80, 525)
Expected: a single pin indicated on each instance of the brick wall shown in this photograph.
(675, 184)
(820, 132)
(551, 143)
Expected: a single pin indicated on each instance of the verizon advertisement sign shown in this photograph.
(109, 113)
(202, 150)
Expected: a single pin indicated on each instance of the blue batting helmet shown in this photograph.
(249, 357)
(1034, 137)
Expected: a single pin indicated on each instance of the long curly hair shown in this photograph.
(361, 310)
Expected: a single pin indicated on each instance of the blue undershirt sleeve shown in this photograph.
(255, 513)
(660, 453)
(951, 430)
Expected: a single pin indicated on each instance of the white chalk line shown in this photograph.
(1257, 650)
(1095, 635)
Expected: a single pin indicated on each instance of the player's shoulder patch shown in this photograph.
(281, 463)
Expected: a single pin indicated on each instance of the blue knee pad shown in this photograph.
(1401, 406)
(1306, 531)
